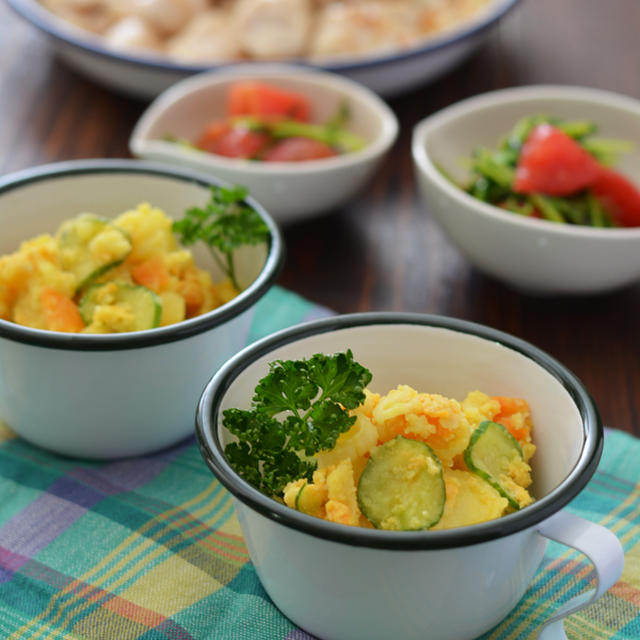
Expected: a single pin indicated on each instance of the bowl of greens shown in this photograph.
(538, 186)
(123, 286)
(360, 451)
(284, 132)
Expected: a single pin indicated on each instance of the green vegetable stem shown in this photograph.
(224, 224)
(298, 409)
(333, 136)
(332, 132)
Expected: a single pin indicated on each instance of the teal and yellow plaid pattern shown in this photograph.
(150, 549)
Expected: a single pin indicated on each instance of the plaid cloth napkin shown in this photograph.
(150, 549)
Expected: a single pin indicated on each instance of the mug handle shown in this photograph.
(602, 548)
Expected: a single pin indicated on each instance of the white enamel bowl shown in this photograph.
(146, 76)
(345, 583)
(109, 396)
(288, 190)
(532, 255)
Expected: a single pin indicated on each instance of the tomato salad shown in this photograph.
(556, 170)
(269, 124)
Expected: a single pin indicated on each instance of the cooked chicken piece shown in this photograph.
(92, 15)
(441, 15)
(165, 17)
(272, 28)
(363, 27)
(206, 38)
(132, 33)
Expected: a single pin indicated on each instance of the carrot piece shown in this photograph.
(60, 312)
(514, 415)
(151, 273)
(339, 512)
(191, 291)
(266, 101)
(510, 405)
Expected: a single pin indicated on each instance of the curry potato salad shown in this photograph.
(419, 460)
(406, 460)
(97, 275)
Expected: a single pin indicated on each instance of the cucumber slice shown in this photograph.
(310, 499)
(90, 245)
(402, 487)
(489, 454)
(142, 302)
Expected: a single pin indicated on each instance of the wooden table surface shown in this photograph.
(383, 251)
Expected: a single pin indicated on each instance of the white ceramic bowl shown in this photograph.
(108, 396)
(450, 585)
(289, 190)
(146, 76)
(530, 254)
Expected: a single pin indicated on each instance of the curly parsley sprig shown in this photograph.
(224, 224)
(299, 408)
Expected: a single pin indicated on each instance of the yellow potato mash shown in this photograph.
(447, 426)
(107, 276)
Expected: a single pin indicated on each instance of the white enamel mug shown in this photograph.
(347, 583)
(115, 395)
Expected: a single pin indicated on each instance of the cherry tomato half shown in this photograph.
(267, 102)
(231, 141)
(554, 164)
(619, 196)
(298, 149)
